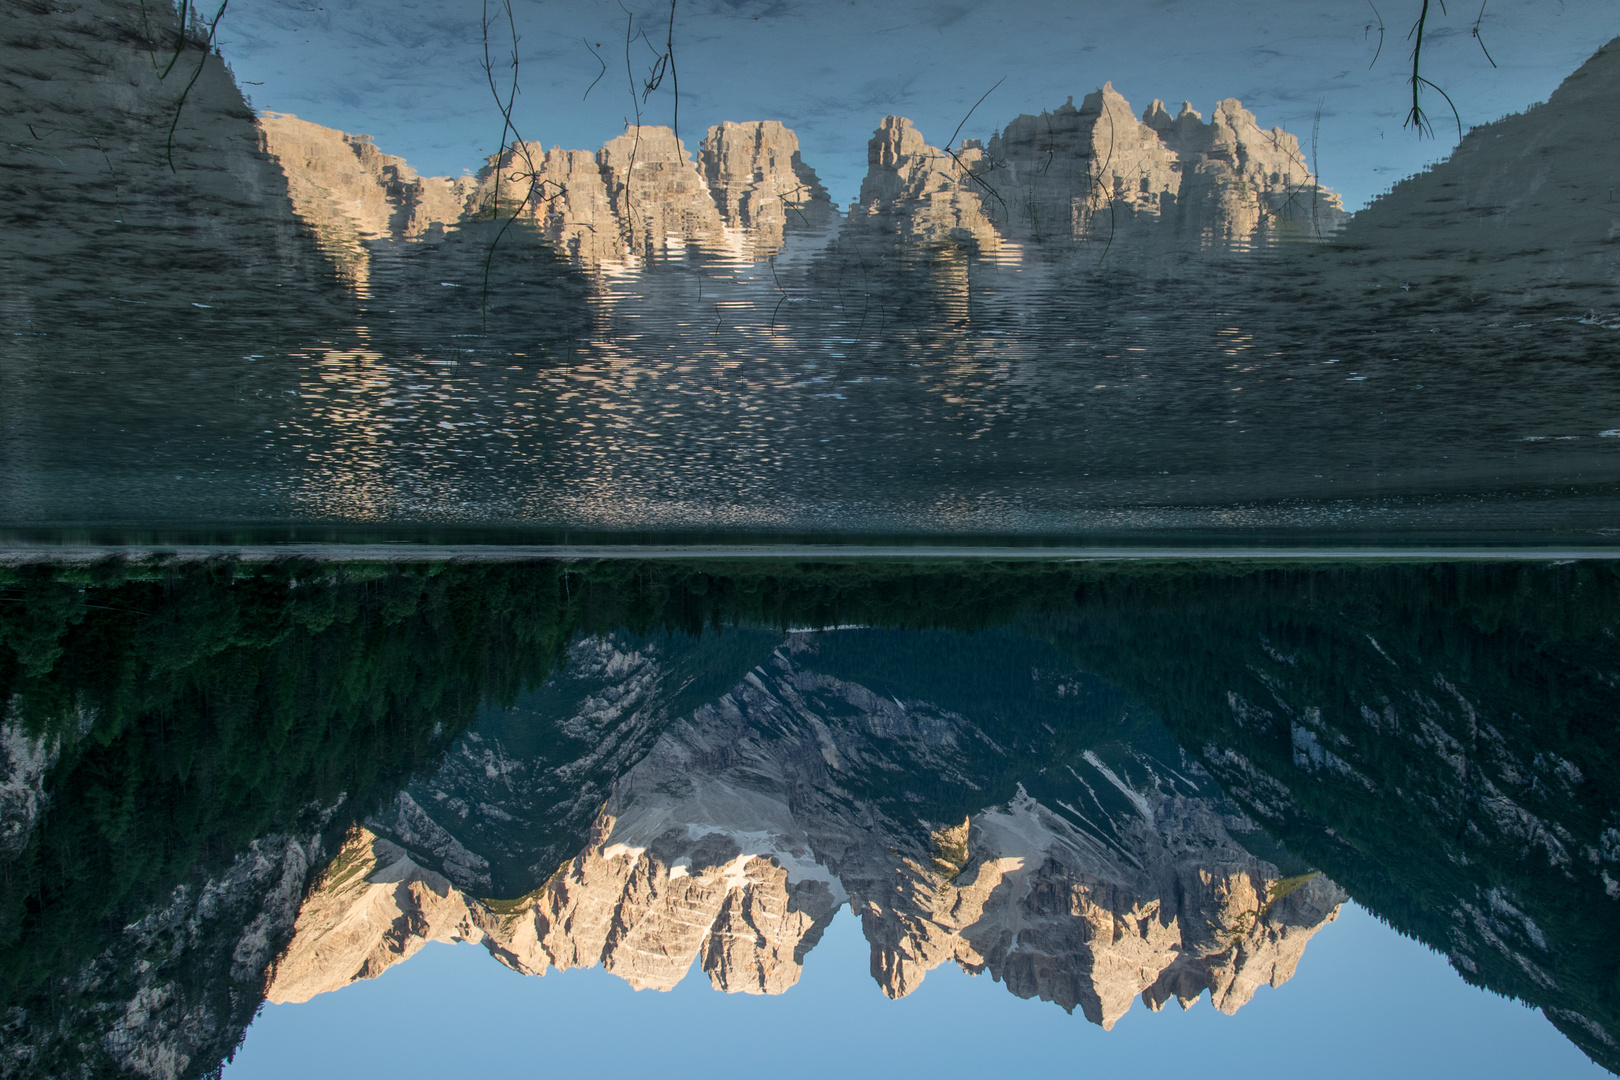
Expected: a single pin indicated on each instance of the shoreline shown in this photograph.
(498, 553)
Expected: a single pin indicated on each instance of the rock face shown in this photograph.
(1092, 174)
(1460, 775)
(1097, 173)
(506, 806)
(373, 907)
(1526, 204)
(562, 192)
(88, 181)
(758, 180)
(1045, 911)
(658, 196)
(924, 194)
(141, 1019)
(1463, 795)
(641, 196)
(24, 762)
(347, 191)
(754, 819)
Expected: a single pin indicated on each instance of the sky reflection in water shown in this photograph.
(1003, 337)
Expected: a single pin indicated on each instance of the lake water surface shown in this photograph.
(805, 538)
(1090, 320)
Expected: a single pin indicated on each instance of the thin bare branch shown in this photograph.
(599, 74)
(1113, 209)
(674, 79)
(213, 27)
(952, 140)
(1416, 117)
(180, 41)
(969, 173)
(1475, 33)
(1454, 113)
(531, 173)
(1378, 51)
(635, 106)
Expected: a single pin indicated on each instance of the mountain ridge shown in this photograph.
(748, 826)
(1225, 184)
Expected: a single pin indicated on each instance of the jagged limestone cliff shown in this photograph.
(1097, 173)
(563, 193)
(759, 180)
(923, 194)
(659, 198)
(741, 834)
(640, 196)
(347, 191)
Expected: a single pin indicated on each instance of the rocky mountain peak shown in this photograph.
(1157, 117)
(349, 192)
(639, 195)
(739, 836)
(374, 906)
(895, 141)
(1105, 100)
(758, 179)
(1084, 174)
(1079, 174)
(921, 193)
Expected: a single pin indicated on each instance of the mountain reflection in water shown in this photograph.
(1101, 320)
(226, 781)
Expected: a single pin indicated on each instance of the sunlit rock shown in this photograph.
(922, 193)
(659, 198)
(563, 193)
(759, 181)
(1097, 173)
(734, 842)
(348, 192)
(373, 907)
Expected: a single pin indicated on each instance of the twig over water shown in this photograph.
(1475, 33)
(1380, 50)
(951, 142)
(508, 126)
(1416, 117)
(599, 74)
(179, 46)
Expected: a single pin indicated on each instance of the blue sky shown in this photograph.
(1365, 1002)
(409, 72)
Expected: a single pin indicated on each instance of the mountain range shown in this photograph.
(1093, 174)
(753, 820)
